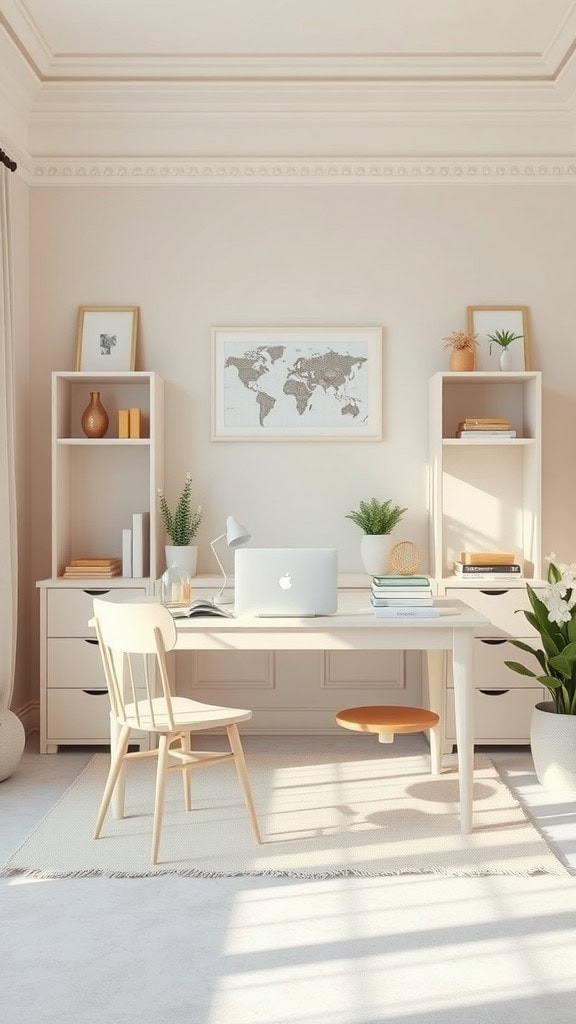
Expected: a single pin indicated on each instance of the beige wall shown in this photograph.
(25, 680)
(407, 257)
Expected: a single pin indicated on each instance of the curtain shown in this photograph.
(8, 529)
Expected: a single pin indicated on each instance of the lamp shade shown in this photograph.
(236, 534)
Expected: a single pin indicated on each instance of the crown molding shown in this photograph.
(302, 171)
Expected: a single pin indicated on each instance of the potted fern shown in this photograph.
(181, 527)
(377, 519)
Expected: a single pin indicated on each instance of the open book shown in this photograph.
(200, 608)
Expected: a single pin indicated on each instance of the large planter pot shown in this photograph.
(12, 739)
(553, 742)
(185, 556)
(375, 553)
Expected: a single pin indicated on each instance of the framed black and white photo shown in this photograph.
(107, 338)
(296, 383)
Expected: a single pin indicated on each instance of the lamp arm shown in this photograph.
(222, 569)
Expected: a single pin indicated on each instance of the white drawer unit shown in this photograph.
(489, 669)
(500, 716)
(504, 607)
(74, 704)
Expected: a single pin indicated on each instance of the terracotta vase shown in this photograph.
(94, 418)
(462, 359)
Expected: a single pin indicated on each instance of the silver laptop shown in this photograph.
(285, 581)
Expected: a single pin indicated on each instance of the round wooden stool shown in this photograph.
(387, 720)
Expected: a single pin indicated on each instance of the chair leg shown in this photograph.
(236, 747)
(113, 774)
(186, 780)
(160, 790)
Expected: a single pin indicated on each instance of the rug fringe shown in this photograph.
(47, 875)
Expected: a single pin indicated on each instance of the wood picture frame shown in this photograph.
(296, 383)
(484, 320)
(107, 338)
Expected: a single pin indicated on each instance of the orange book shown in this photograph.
(123, 423)
(135, 423)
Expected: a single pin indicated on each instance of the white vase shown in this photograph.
(374, 552)
(553, 743)
(185, 556)
(505, 359)
(12, 739)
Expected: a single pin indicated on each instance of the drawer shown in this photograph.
(75, 663)
(498, 715)
(79, 716)
(503, 607)
(489, 670)
(70, 609)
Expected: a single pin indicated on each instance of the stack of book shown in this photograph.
(480, 427)
(98, 568)
(394, 596)
(482, 565)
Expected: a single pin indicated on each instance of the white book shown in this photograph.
(127, 553)
(413, 613)
(140, 535)
(403, 602)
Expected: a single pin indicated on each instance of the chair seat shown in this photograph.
(387, 718)
(189, 715)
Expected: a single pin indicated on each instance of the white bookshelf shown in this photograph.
(97, 485)
(486, 495)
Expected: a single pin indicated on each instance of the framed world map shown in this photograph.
(296, 383)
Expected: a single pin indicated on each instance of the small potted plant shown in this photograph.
(462, 345)
(503, 339)
(181, 527)
(553, 725)
(377, 519)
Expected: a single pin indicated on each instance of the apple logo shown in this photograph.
(285, 582)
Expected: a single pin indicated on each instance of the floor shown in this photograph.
(415, 949)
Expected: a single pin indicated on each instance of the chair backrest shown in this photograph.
(133, 638)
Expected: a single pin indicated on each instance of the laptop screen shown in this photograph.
(285, 581)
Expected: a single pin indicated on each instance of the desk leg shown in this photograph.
(117, 802)
(462, 670)
(436, 690)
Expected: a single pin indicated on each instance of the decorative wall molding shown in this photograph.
(29, 715)
(304, 171)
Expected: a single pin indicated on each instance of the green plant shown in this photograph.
(459, 341)
(502, 338)
(182, 524)
(376, 516)
(553, 615)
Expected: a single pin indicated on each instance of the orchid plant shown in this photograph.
(553, 616)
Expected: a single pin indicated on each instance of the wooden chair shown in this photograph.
(128, 633)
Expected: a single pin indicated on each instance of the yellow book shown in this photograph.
(135, 423)
(487, 558)
(123, 423)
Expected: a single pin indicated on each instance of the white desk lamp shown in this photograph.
(235, 534)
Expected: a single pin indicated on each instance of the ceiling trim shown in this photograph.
(304, 171)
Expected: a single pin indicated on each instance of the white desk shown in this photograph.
(354, 627)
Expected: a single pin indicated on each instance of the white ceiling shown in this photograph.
(110, 38)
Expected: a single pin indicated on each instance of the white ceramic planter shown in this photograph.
(12, 739)
(505, 360)
(375, 553)
(553, 743)
(185, 556)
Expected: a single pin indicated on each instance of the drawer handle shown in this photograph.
(494, 693)
(95, 693)
(95, 593)
(493, 593)
(91, 640)
(492, 641)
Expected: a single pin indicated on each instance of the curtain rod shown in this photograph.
(5, 159)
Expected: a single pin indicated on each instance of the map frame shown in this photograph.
(362, 346)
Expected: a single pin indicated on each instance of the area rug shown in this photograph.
(320, 816)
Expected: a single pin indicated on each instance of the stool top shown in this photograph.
(387, 718)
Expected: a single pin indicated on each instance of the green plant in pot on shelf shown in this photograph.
(376, 519)
(181, 527)
(503, 339)
(553, 727)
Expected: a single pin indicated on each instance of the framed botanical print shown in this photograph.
(107, 338)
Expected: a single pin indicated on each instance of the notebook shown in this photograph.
(285, 581)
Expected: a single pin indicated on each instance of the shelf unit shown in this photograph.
(97, 484)
(489, 499)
